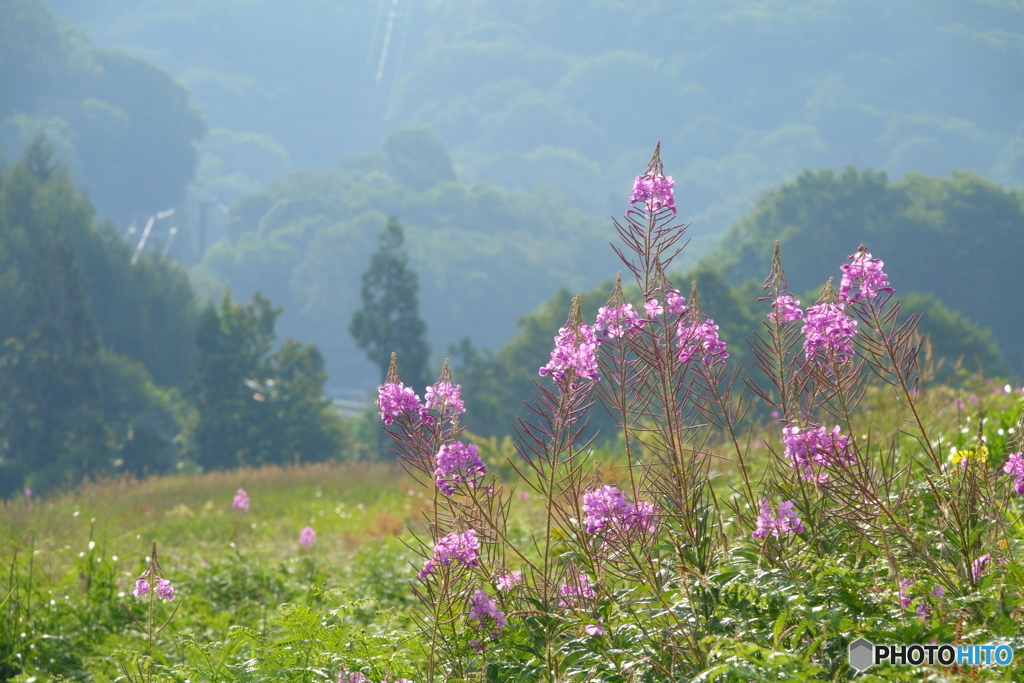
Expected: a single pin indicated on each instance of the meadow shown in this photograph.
(72, 560)
(742, 524)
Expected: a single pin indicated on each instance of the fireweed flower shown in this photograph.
(618, 321)
(307, 537)
(454, 546)
(787, 310)
(923, 611)
(701, 339)
(768, 524)
(141, 587)
(1014, 466)
(980, 566)
(606, 508)
(484, 614)
(458, 463)
(507, 582)
(594, 629)
(574, 351)
(164, 590)
(241, 501)
(655, 190)
(352, 677)
(446, 398)
(653, 309)
(904, 600)
(395, 399)
(827, 328)
(865, 271)
(813, 447)
(675, 303)
(576, 592)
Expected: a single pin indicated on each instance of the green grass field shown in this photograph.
(254, 605)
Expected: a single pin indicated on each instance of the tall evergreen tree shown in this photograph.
(389, 320)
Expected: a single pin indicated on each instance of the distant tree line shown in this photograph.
(108, 367)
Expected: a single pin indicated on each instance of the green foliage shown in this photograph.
(255, 406)
(71, 406)
(389, 320)
(957, 239)
(125, 127)
(954, 338)
(145, 311)
(306, 240)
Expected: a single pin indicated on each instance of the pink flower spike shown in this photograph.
(241, 501)
(141, 587)
(865, 271)
(307, 537)
(395, 399)
(655, 190)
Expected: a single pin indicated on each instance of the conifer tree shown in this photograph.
(389, 319)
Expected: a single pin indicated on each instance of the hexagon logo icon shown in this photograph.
(861, 654)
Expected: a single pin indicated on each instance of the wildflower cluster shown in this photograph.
(1014, 466)
(307, 537)
(969, 455)
(787, 310)
(785, 523)
(163, 589)
(446, 398)
(606, 508)
(458, 463)
(484, 614)
(865, 271)
(980, 567)
(455, 546)
(828, 331)
(577, 592)
(509, 580)
(904, 600)
(241, 501)
(701, 338)
(655, 190)
(395, 399)
(813, 447)
(358, 677)
(618, 321)
(574, 353)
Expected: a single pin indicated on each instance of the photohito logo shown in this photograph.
(864, 654)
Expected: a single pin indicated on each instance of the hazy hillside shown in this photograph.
(124, 127)
(573, 94)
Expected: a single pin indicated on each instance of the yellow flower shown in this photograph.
(970, 455)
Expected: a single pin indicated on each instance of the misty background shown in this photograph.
(501, 134)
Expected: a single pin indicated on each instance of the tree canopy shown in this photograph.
(960, 239)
